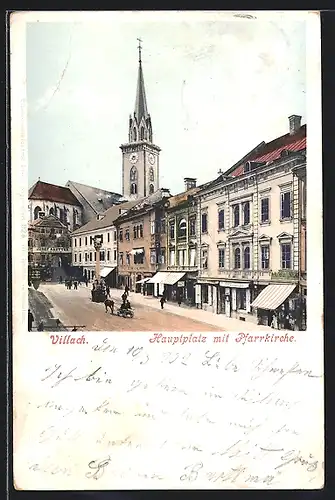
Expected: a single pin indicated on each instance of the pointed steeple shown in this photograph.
(141, 108)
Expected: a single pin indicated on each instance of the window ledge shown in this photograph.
(265, 223)
(222, 230)
(286, 219)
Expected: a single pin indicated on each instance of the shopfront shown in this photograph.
(167, 283)
(276, 306)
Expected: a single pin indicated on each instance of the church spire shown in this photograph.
(141, 109)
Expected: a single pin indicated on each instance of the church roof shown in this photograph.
(99, 199)
(50, 221)
(106, 219)
(51, 192)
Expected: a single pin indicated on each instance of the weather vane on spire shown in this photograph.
(139, 49)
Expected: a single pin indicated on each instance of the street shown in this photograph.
(74, 307)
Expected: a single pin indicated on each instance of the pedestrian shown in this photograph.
(86, 282)
(75, 284)
(108, 291)
(179, 301)
(124, 297)
(162, 302)
(126, 289)
(31, 319)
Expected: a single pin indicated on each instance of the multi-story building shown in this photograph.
(46, 199)
(249, 239)
(83, 251)
(181, 264)
(141, 241)
(49, 247)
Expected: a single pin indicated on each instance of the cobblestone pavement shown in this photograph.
(75, 307)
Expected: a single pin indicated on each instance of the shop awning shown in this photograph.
(166, 278)
(144, 280)
(273, 296)
(105, 271)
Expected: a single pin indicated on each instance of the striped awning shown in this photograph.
(272, 296)
(166, 278)
(105, 271)
(144, 280)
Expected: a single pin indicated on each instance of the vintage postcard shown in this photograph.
(163, 337)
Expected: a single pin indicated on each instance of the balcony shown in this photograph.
(285, 275)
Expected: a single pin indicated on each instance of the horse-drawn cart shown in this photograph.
(98, 294)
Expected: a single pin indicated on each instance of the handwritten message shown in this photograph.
(121, 412)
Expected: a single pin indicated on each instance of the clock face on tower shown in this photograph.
(133, 157)
(151, 159)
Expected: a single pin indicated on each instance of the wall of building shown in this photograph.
(83, 246)
(45, 206)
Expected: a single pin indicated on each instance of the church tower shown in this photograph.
(140, 156)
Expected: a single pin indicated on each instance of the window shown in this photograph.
(192, 227)
(80, 257)
(135, 134)
(127, 236)
(182, 259)
(115, 235)
(75, 257)
(192, 257)
(102, 255)
(236, 215)
(114, 255)
(241, 299)
(91, 257)
(285, 255)
(133, 188)
(265, 210)
(139, 258)
(127, 259)
(108, 255)
(172, 258)
(108, 237)
(121, 258)
(161, 257)
(75, 242)
(85, 241)
(151, 189)
(135, 232)
(51, 211)
(141, 231)
(246, 258)
(163, 226)
(221, 257)
(152, 256)
(246, 213)
(153, 227)
(182, 228)
(221, 220)
(151, 175)
(204, 294)
(80, 242)
(204, 223)
(285, 205)
(142, 133)
(237, 258)
(172, 230)
(265, 256)
(120, 235)
(204, 255)
(91, 240)
(133, 174)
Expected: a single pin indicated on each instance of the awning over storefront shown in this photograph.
(105, 271)
(144, 280)
(272, 296)
(166, 278)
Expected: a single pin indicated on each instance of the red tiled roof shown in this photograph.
(271, 150)
(51, 192)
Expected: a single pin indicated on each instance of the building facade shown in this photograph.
(181, 217)
(84, 255)
(250, 237)
(140, 156)
(142, 242)
(49, 247)
(46, 199)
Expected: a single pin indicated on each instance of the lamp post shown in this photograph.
(97, 246)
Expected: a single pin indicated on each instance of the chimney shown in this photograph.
(295, 123)
(190, 182)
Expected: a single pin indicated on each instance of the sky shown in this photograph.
(216, 87)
